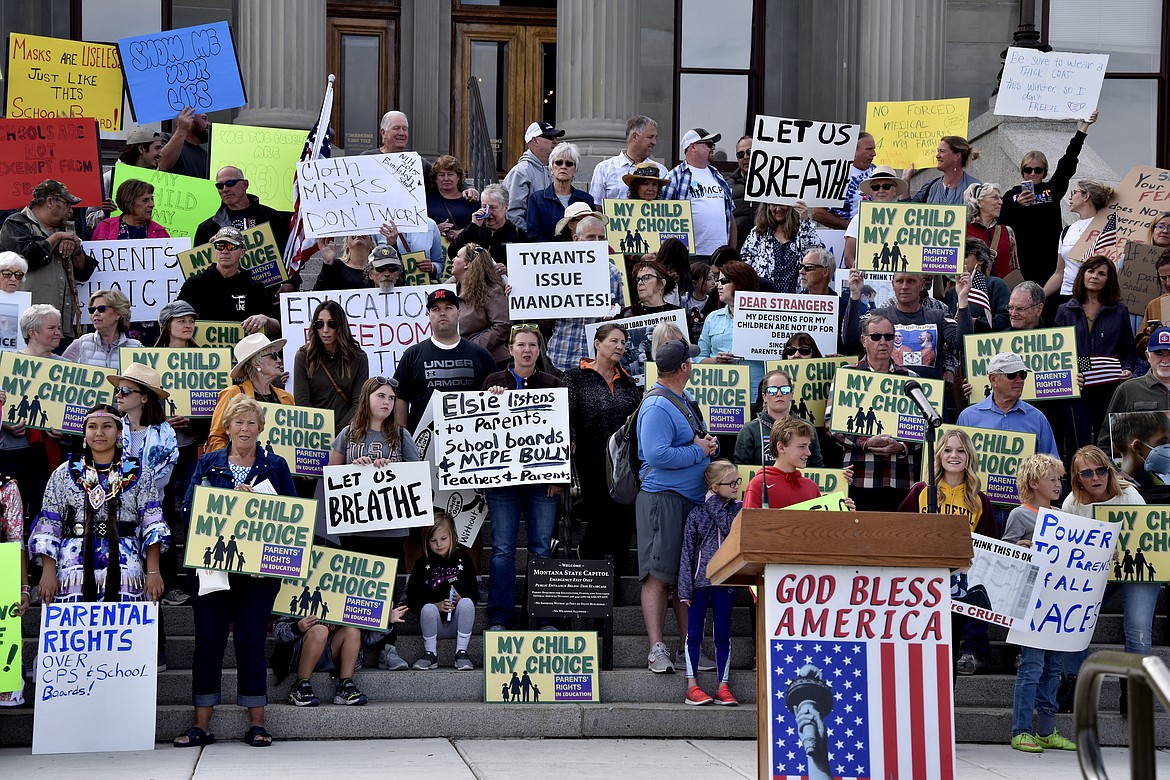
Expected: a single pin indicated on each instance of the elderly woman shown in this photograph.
(260, 364)
(547, 206)
(135, 199)
(779, 241)
(349, 274)
(715, 340)
(954, 152)
(447, 203)
(13, 268)
(483, 317)
(490, 227)
(984, 202)
(882, 186)
(244, 608)
(329, 370)
(109, 310)
(653, 283)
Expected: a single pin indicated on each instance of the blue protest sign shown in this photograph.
(170, 70)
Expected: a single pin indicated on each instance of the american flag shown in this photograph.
(1099, 369)
(1107, 238)
(301, 247)
(978, 295)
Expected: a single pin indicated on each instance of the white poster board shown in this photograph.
(1000, 585)
(1052, 85)
(559, 280)
(639, 333)
(764, 321)
(146, 270)
(12, 305)
(798, 159)
(368, 498)
(467, 506)
(341, 196)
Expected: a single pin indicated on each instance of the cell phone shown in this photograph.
(1029, 186)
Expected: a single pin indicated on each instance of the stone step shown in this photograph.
(981, 690)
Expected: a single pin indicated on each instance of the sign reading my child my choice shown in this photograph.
(911, 238)
(800, 160)
(639, 226)
(1049, 353)
(250, 533)
(301, 435)
(1143, 541)
(722, 392)
(539, 667)
(563, 280)
(193, 377)
(997, 458)
(343, 588)
(868, 403)
(50, 395)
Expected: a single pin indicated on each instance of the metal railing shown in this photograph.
(1147, 676)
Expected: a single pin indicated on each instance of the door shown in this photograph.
(363, 52)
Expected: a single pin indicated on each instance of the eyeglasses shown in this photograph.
(100, 309)
(790, 351)
(1159, 228)
(125, 391)
(1077, 192)
(1100, 471)
(1021, 309)
(781, 390)
(222, 185)
(1029, 169)
(880, 336)
(320, 324)
(226, 246)
(1015, 375)
(742, 153)
(17, 275)
(732, 483)
(722, 280)
(647, 278)
(883, 186)
(810, 267)
(564, 163)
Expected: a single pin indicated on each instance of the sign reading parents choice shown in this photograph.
(516, 438)
(262, 257)
(11, 677)
(94, 660)
(299, 434)
(180, 202)
(193, 377)
(764, 321)
(722, 392)
(55, 77)
(49, 394)
(797, 159)
(868, 403)
(1052, 85)
(268, 156)
(911, 238)
(540, 667)
(368, 498)
(146, 270)
(1143, 194)
(997, 458)
(562, 280)
(345, 195)
(1000, 585)
(907, 132)
(1049, 353)
(170, 70)
(37, 149)
(1143, 541)
(635, 227)
(250, 533)
(343, 588)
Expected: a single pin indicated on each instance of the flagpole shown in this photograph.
(322, 126)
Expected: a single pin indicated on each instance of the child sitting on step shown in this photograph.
(443, 590)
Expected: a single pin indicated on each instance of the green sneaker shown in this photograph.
(1026, 743)
(1055, 741)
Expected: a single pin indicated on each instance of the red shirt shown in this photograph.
(785, 488)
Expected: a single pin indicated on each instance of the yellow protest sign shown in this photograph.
(911, 238)
(262, 257)
(411, 274)
(722, 392)
(180, 202)
(267, 156)
(215, 333)
(1142, 195)
(299, 434)
(811, 381)
(1049, 353)
(635, 227)
(11, 678)
(869, 403)
(828, 480)
(193, 377)
(343, 588)
(50, 394)
(56, 77)
(833, 502)
(540, 667)
(250, 533)
(1143, 541)
(907, 132)
(997, 457)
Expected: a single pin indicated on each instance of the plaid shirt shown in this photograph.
(870, 470)
(679, 188)
(568, 344)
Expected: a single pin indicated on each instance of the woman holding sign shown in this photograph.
(547, 206)
(778, 243)
(135, 199)
(716, 339)
(259, 362)
(330, 369)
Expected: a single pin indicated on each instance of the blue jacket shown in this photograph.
(545, 211)
(1112, 333)
(706, 528)
(670, 459)
(214, 466)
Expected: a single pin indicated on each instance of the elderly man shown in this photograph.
(185, 151)
(43, 234)
(816, 272)
(641, 137)
(490, 227)
(530, 173)
(1003, 410)
(227, 292)
(863, 168)
(241, 210)
(696, 180)
(745, 212)
(394, 130)
(1025, 306)
(568, 344)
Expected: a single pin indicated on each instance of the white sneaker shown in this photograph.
(659, 659)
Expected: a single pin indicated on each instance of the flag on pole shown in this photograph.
(1107, 238)
(301, 246)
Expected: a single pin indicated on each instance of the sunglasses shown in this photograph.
(742, 153)
(647, 278)
(1030, 169)
(810, 267)
(321, 324)
(125, 391)
(274, 355)
(790, 351)
(1100, 471)
(731, 483)
(226, 246)
(1015, 375)
(525, 326)
(885, 185)
(100, 309)
(781, 390)
(723, 280)
(223, 185)
(880, 336)
(17, 275)
(564, 163)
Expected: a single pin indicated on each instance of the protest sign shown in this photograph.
(834, 241)
(12, 305)
(341, 196)
(250, 533)
(635, 227)
(57, 77)
(32, 150)
(267, 156)
(170, 70)
(368, 498)
(1138, 277)
(540, 667)
(764, 322)
(486, 439)
(828, 480)
(92, 661)
(50, 394)
(384, 323)
(812, 379)
(180, 202)
(213, 333)
(639, 335)
(1000, 585)
(343, 588)
(722, 392)
(911, 238)
(860, 652)
(997, 458)
(1142, 195)
(299, 434)
(907, 132)
(1051, 85)
(11, 676)
(262, 257)
(877, 289)
(800, 160)
(193, 377)
(869, 403)
(146, 270)
(1143, 541)
(562, 280)
(1075, 554)
(467, 506)
(412, 275)
(1049, 353)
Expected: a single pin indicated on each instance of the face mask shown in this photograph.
(1158, 461)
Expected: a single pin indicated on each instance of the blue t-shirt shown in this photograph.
(669, 457)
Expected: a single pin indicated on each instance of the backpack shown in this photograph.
(621, 451)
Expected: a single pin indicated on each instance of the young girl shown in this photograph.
(1038, 482)
(706, 527)
(443, 591)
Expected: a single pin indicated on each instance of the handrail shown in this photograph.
(1147, 675)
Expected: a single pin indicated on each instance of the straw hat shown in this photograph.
(251, 346)
(141, 374)
(577, 210)
(645, 173)
(885, 173)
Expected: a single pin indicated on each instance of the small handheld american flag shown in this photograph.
(1099, 369)
(1107, 238)
(978, 296)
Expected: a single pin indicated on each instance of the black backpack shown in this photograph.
(621, 451)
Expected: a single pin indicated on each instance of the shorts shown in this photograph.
(326, 663)
(660, 521)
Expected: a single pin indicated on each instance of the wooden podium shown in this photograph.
(837, 595)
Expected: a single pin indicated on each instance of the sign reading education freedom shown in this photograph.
(368, 498)
(345, 195)
(1143, 194)
(49, 394)
(299, 434)
(94, 660)
(250, 533)
(561, 280)
(907, 132)
(722, 392)
(1051, 85)
(268, 156)
(262, 257)
(764, 322)
(869, 403)
(33, 150)
(800, 160)
(180, 202)
(56, 77)
(635, 227)
(1143, 541)
(911, 238)
(343, 588)
(146, 270)
(11, 676)
(997, 459)
(812, 379)
(12, 306)
(999, 586)
(193, 377)
(1049, 353)
(540, 667)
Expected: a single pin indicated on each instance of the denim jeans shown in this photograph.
(245, 610)
(1138, 600)
(1036, 683)
(506, 505)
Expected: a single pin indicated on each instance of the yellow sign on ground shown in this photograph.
(56, 77)
(193, 377)
(869, 403)
(911, 238)
(250, 533)
(540, 667)
(344, 588)
(49, 394)
(907, 132)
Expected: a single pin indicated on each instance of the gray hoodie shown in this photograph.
(529, 175)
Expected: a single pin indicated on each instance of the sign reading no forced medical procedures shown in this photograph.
(50, 395)
(250, 533)
(764, 321)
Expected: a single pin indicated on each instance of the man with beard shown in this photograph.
(185, 151)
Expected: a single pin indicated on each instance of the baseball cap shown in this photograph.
(142, 134)
(671, 354)
(443, 296)
(1159, 340)
(229, 233)
(538, 129)
(694, 137)
(1006, 363)
(51, 188)
(384, 256)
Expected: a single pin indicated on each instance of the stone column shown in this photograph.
(425, 81)
(900, 53)
(281, 47)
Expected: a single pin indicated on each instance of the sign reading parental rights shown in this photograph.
(636, 227)
(180, 202)
(56, 77)
(369, 498)
(868, 403)
(146, 270)
(1143, 541)
(540, 667)
(299, 434)
(997, 459)
(911, 238)
(12, 306)
(33, 150)
(193, 377)
(800, 160)
(49, 394)
(1049, 353)
(765, 321)
(268, 156)
(343, 588)
(722, 392)
(907, 132)
(250, 533)
(1051, 85)
(561, 280)
(345, 195)
(262, 257)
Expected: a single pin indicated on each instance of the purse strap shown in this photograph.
(332, 381)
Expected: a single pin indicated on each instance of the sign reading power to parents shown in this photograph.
(797, 159)
(911, 238)
(250, 533)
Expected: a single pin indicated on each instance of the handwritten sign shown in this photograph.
(180, 202)
(561, 280)
(11, 675)
(467, 506)
(213, 333)
(411, 273)
(368, 498)
(145, 270)
(170, 70)
(516, 438)
(345, 195)
(49, 394)
(12, 305)
(907, 132)
(94, 660)
(1052, 85)
(812, 379)
(911, 238)
(1143, 541)
(538, 667)
(1049, 353)
(722, 392)
(268, 157)
(1142, 195)
(343, 588)
(250, 533)
(1138, 277)
(765, 321)
(262, 257)
(193, 377)
(635, 227)
(639, 335)
(997, 459)
(869, 403)
(1000, 585)
(299, 434)
(1076, 555)
(56, 77)
(797, 159)
(37, 149)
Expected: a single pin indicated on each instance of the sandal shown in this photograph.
(257, 737)
(196, 737)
